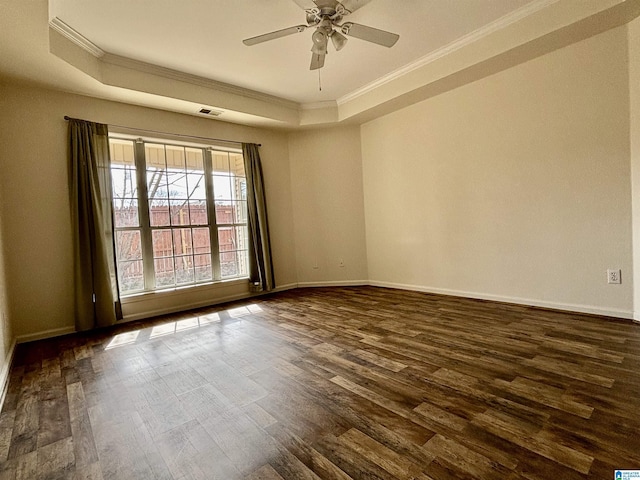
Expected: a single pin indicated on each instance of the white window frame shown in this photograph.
(146, 228)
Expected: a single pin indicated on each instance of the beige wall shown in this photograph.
(634, 117)
(514, 187)
(35, 210)
(328, 210)
(6, 334)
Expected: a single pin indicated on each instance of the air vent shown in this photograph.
(210, 112)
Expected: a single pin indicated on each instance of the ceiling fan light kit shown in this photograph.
(319, 38)
(338, 40)
(325, 16)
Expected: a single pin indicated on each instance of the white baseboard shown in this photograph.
(190, 306)
(592, 310)
(348, 283)
(202, 304)
(54, 332)
(4, 373)
(282, 288)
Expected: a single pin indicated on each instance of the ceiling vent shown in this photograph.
(210, 112)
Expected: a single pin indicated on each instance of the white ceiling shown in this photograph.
(181, 55)
(204, 38)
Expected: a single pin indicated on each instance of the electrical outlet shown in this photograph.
(315, 264)
(341, 263)
(613, 276)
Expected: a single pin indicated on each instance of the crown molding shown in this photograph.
(169, 73)
(461, 42)
(535, 29)
(109, 58)
(76, 37)
(319, 105)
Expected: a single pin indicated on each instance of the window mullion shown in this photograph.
(145, 222)
(211, 209)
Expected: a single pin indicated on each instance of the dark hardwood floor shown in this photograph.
(331, 383)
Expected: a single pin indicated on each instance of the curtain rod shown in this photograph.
(165, 133)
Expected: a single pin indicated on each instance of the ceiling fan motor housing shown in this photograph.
(316, 16)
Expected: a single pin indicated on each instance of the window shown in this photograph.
(180, 214)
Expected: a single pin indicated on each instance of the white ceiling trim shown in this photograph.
(318, 105)
(408, 84)
(108, 58)
(169, 73)
(76, 37)
(462, 42)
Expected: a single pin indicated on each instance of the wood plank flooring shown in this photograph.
(330, 383)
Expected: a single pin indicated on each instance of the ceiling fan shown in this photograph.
(325, 16)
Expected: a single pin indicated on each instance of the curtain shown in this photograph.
(97, 302)
(260, 263)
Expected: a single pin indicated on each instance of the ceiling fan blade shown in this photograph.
(353, 5)
(370, 34)
(317, 61)
(273, 35)
(305, 4)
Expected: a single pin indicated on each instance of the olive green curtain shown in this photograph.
(260, 263)
(97, 302)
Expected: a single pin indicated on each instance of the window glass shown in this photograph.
(164, 224)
